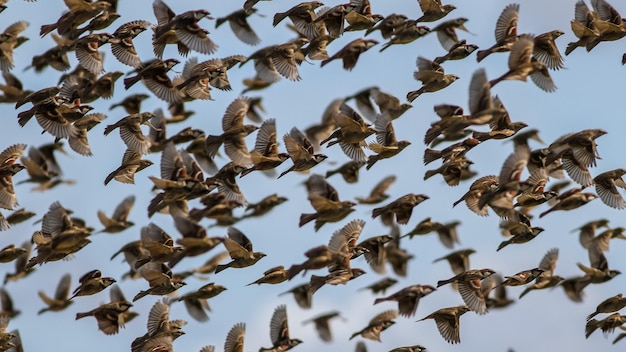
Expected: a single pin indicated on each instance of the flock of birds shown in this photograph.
(199, 172)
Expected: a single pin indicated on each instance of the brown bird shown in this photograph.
(351, 52)
(238, 22)
(349, 171)
(132, 103)
(118, 222)
(123, 47)
(302, 294)
(522, 278)
(606, 187)
(87, 51)
(303, 16)
(61, 296)
(131, 164)
(378, 193)
(447, 320)
(322, 325)
(108, 316)
(272, 276)
(182, 30)
(240, 250)
(547, 278)
(432, 76)
(546, 51)
(301, 152)
(351, 133)
(377, 325)
(386, 145)
(401, 208)
(506, 32)
(522, 64)
(405, 33)
(458, 260)
(154, 76)
(583, 26)
(196, 301)
(470, 289)
(433, 10)
(91, 283)
(521, 233)
(11, 253)
(9, 40)
(265, 155)
(325, 200)
(569, 200)
(388, 25)
(607, 325)
(381, 286)
(608, 22)
(609, 305)
(279, 332)
(275, 61)
(408, 298)
(130, 131)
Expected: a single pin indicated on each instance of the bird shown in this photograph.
(377, 325)
(301, 152)
(240, 250)
(279, 331)
(350, 53)
(408, 298)
(401, 209)
(91, 283)
(468, 283)
(432, 76)
(386, 145)
(447, 320)
(322, 325)
(107, 316)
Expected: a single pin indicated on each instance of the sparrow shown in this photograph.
(406, 33)
(521, 233)
(322, 325)
(161, 330)
(522, 278)
(547, 278)
(240, 250)
(182, 30)
(458, 260)
(402, 208)
(264, 206)
(123, 47)
(130, 131)
(79, 142)
(360, 17)
(522, 64)
(432, 76)
(381, 286)
(302, 294)
(607, 325)
(447, 320)
(386, 145)
(234, 339)
(387, 104)
(265, 155)
(458, 51)
(377, 325)
(11, 253)
(609, 305)
(506, 32)
(118, 222)
(546, 51)
(470, 289)
(583, 26)
(272, 276)
(569, 200)
(279, 332)
(349, 171)
(606, 187)
(414, 348)
(325, 200)
(302, 16)
(500, 299)
(154, 76)
(301, 152)
(13, 90)
(351, 133)
(196, 302)
(433, 10)
(608, 22)
(238, 22)
(378, 193)
(61, 296)
(132, 103)
(388, 25)
(234, 134)
(20, 266)
(91, 283)
(408, 298)
(351, 52)
(131, 164)
(87, 51)
(9, 40)
(160, 279)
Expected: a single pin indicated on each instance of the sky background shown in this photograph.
(589, 95)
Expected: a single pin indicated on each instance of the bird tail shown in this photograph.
(378, 300)
(212, 144)
(525, 292)
(81, 315)
(220, 267)
(570, 47)
(412, 95)
(502, 245)
(137, 297)
(294, 270)
(481, 136)
(220, 21)
(439, 59)
(429, 174)
(443, 282)
(324, 62)
(431, 155)
(590, 316)
(130, 81)
(306, 218)
(482, 54)
(316, 283)
(25, 116)
(590, 327)
(371, 161)
(377, 212)
(246, 171)
(278, 17)
(47, 28)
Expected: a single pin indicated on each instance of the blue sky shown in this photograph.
(588, 96)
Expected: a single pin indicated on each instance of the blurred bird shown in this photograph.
(238, 22)
(406, 33)
(432, 76)
(506, 32)
(408, 298)
(378, 193)
(351, 52)
(301, 152)
(118, 222)
(386, 145)
(61, 296)
(377, 325)
(240, 250)
(609, 305)
(402, 208)
(322, 325)
(91, 283)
